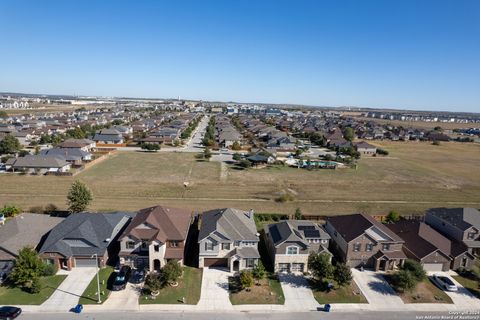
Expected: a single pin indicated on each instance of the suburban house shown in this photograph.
(82, 238)
(71, 155)
(108, 136)
(83, 144)
(24, 230)
(361, 241)
(427, 246)
(38, 164)
(228, 238)
(155, 236)
(365, 148)
(461, 224)
(290, 242)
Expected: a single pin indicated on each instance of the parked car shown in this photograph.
(122, 278)
(8, 312)
(444, 283)
(138, 276)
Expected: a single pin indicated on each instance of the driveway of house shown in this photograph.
(461, 298)
(377, 291)
(297, 292)
(124, 299)
(214, 294)
(67, 294)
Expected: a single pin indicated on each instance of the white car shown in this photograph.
(444, 283)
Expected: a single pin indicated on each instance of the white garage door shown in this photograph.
(432, 266)
(79, 262)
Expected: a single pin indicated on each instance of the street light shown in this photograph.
(98, 279)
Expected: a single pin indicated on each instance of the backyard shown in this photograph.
(415, 176)
(16, 296)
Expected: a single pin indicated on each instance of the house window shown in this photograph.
(144, 245)
(225, 246)
(356, 246)
(173, 243)
(292, 250)
(249, 263)
(386, 247)
(208, 246)
(156, 248)
(130, 245)
(369, 247)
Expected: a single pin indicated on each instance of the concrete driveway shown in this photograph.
(461, 298)
(297, 292)
(377, 291)
(67, 294)
(215, 294)
(124, 299)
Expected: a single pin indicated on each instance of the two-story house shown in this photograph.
(289, 244)
(460, 224)
(228, 238)
(154, 236)
(360, 240)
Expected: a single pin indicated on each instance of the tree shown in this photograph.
(171, 271)
(10, 211)
(153, 282)
(259, 271)
(415, 268)
(342, 274)
(392, 217)
(150, 147)
(236, 146)
(246, 279)
(298, 214)
(9, 144)
(79, 197)
(348, 134)
(37, 149)
(237, 157)
(320, 266)
(76, 133)
(3, 114)
(207, 154)
(404, 280)
(28, 267)
(245, 164)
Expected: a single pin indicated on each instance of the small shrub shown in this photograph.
(284, 198)
(415, 268)
(436, 143)
(50, 208)
(382, 152)
(246, 279)
(35, 286)
(10, 211)
(37, 209)
(49, 270)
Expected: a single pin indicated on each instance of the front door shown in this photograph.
(383, 265)
(156, 265)
(236, 265)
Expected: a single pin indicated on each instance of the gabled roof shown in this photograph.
(92, 230)
(420, 239)
(164, 224)
(462, 218)
(296, 230)
(354, 225)
(39, 161)
(232, 224)
(25, 230)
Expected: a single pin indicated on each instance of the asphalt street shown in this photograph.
(245, 316)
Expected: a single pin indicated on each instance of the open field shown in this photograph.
(422, 124)
(414, 177)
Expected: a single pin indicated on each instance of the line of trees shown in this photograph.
(209, 138)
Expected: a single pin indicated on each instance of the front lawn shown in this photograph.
(346, 294)
(189, 287)
(424, 292)
(469, 281)
(269, 291)
(16, 296)
(89, 296)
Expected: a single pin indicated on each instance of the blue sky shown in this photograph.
(396, 54)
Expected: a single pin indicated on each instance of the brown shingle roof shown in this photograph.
(165, 224)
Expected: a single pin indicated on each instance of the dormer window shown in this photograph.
(130, 245)
(144, 245)
(471, 235)
(174, 243)
(386, 247)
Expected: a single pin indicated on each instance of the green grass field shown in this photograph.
(90, 296)
(16, 296)
(415, 176)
